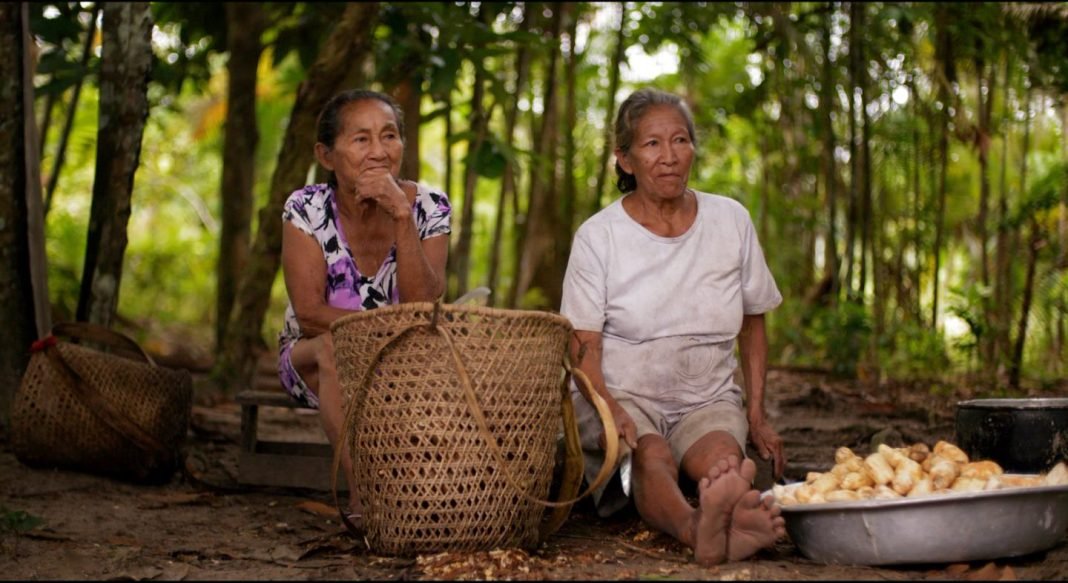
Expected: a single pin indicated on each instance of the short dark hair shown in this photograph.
(630, 112)
(329, 124)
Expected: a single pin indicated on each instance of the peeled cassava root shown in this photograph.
(908, 472)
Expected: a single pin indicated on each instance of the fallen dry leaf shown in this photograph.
(318, 508)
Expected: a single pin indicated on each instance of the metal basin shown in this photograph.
(1021, 435)
(947, 528)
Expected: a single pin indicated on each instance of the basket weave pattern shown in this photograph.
(52, 426)
(424, 473)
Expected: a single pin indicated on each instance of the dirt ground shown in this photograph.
(204, 525)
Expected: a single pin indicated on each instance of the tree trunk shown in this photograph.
(830, 181)
(610, 109)
(1002, 265)
(982, 143)
(537, 252)
(866, 219)
(1025, 308)
(564, 227)
(917, 206)
(72, 108)
(23, 283)
(854, 161)
(125, 62)
(348, 43)
(944, 59)
(409, 95)
(508, 186)
(479, 120)
(245, 24)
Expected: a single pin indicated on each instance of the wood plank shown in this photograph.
(267, 399)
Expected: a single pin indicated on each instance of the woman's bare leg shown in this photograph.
(314, 360)
(662, 505)
(754, 524)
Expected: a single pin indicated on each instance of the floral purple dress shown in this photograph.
(313, 209)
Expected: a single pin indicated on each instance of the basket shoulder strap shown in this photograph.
(101, 407)
(102, 335)
(611, 435)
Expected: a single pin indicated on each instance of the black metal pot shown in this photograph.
(1024, 436)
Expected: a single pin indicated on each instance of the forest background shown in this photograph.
(905, 164)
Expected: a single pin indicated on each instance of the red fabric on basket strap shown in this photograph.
(39, 345)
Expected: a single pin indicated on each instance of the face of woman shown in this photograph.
(660, 154)
(369, 141)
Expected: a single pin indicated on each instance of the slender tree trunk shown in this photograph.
(564, 226)
(1002, 266)
(46, 122)
(610, 109)
(23, 282)
(865, 215)
(854, 160)
(245, 24)
(124, 68)
(1025, 308)
(72, 108)
(409, 95)
(349, 42)
(982, 143)
(508, 186)
(944, 58)
(1060, 263)
(830, 181)
(538, 244)
(479, 121)
(917, 207)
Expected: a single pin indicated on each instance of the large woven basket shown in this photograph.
(452, 418)
(105, 408)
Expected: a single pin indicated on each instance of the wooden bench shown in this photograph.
(284, 464)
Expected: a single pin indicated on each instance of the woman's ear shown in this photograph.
(324, 155)
(621, 159)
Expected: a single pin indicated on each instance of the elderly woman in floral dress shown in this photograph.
(363, 240)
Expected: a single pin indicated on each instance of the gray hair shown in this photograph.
(630, 113)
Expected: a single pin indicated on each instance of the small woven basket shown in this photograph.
(452, 417)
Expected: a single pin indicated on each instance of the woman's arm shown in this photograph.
(585, 349)
(304, 271)
(420, 263)
(753, 349)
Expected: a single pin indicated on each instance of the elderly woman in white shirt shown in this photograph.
(660, 286)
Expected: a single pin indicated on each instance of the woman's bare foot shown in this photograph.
(718, 492)
(755, 524)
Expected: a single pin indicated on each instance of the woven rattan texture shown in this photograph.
(425, 475)
(51, 426)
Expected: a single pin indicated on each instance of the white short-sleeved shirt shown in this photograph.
(669, 308)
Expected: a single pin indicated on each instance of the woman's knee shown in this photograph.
(709, 450)
(653, 449)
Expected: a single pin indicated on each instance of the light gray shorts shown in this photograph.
(680, 435)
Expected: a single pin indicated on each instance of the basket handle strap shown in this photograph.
(571, 479)
(103, 335)
(611, 451)
(101, 407)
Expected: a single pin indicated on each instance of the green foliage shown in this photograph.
(913, 351)
(842, 333)
(17, 521)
